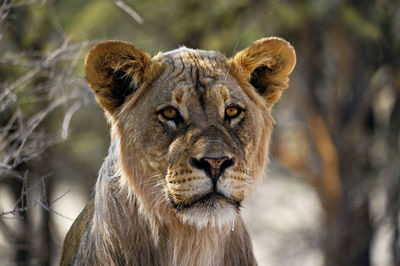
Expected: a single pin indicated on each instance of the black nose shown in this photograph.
(214, 167)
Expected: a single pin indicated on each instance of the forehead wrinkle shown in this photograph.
(222, 89)
(210, 68)
(212, 64)
(176, 67)
(200, 62)
(198, 70)
(179, 98)
(206, 75)
(170, 63)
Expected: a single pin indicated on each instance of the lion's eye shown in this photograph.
(170, 113)
(232, 112)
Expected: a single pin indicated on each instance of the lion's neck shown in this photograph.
(188, 245)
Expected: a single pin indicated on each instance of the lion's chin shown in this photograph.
(212, 210)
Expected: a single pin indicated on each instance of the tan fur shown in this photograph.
(278, 58)
(155, 202)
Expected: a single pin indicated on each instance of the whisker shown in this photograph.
(151, 179)
(159, 184)
(249, 171)
(160, 196)
(157, 175)
(229, 67)
(235, 90)
(252, 176)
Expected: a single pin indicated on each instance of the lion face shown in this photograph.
(194, 126)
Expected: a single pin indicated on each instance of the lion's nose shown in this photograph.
(214, 167)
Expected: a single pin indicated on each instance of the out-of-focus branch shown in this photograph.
(22, 137)
(326, 181)
(295, 162)
(130, 11)
(67, 119)
(47, 208)
(330, 186)
(22, 204)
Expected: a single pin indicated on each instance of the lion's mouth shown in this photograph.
(209, 200)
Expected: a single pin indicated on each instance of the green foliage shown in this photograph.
(348, 64)
(360, 26)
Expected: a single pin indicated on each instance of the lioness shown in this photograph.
(190, 136)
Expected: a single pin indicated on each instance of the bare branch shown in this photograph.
(67, 119)
(60, 197)
(129, 11)
(53, 211)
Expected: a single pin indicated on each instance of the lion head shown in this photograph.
(194, 126)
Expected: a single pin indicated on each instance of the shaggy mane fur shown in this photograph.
(146, 240)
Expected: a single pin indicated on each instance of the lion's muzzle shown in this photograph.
(213, 167)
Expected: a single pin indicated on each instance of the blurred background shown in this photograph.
(331, 195)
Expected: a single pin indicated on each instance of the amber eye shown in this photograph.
(170, 113)
(232, 112)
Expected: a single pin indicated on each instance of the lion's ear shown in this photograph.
(114, 70)
(266, 65)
